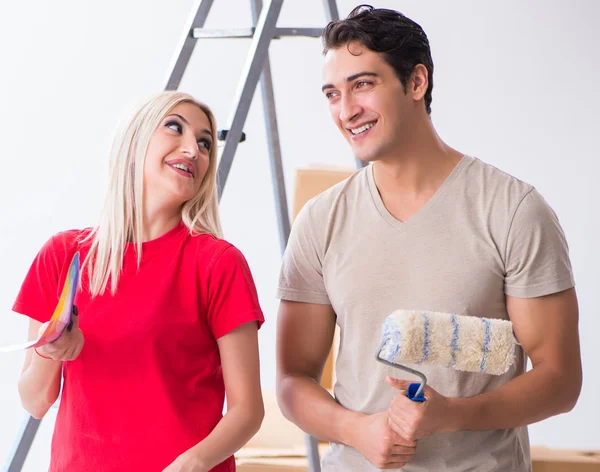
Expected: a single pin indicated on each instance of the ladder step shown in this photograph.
(203, 33)
(310, 32)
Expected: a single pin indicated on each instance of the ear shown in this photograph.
(419, 81)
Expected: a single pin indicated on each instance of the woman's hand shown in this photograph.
(68, 346)
(187, 462)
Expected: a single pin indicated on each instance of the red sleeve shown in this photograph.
(39, 292)
(38, 295)
(232, 297)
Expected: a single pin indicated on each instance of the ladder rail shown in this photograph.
(265, 28)
(257, 68)
(275, 159)
(187, 43)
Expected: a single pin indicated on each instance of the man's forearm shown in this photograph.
(304, 402)
(529, 398)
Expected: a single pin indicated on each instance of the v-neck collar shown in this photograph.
(425, 209)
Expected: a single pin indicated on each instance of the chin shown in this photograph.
(180, 197)
(365, 157)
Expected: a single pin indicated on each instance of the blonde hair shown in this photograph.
(121, 217)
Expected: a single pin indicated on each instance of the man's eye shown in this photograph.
(330, 95)
(362, 83)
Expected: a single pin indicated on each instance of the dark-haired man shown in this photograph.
(427, 228)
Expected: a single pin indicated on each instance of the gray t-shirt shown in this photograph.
(482, 236)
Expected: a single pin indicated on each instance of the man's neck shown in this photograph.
(418, 166)
(407, 179)
(416, 173)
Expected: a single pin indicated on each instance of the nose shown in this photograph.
(189, 146)
(349, 108)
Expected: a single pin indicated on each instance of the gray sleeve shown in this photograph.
(301, 275)
(537, 256)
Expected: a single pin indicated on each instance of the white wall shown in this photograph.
(515, 84)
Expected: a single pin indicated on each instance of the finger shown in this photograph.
(404, 433)
(401, 450)
(42, 329)
(394, 465)
(398, 384)
(78, 350)
(74, 319)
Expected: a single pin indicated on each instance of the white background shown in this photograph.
(515, 85)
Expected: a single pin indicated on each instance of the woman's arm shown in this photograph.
(39, 384)
(245, 409)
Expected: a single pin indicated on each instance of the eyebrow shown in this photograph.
(203, 131)
(351, 78)
(180, 117)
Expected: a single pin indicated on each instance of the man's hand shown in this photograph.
(68, 346)
(382, 447)
(415, 420)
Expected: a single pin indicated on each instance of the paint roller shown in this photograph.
(461, 342)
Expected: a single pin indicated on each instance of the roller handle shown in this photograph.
(414, 394)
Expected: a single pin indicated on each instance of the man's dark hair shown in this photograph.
(401, 42)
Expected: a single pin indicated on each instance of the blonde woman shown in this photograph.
(168, 312)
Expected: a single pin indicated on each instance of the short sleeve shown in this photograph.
(39, 295)
(232, 296)
(301, 274)
(537, 255)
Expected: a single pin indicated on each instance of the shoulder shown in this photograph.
(65, 243)
(211, 251)
(488, 179)
(494, 192)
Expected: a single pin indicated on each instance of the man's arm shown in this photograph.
(304, 338)
(547, 329)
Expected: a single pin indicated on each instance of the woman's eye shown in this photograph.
(174, 126)
(205, 143)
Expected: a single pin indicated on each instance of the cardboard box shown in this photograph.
(311, 182)
(276, 432)
(275, 460)
(279, 443)
(563, 460)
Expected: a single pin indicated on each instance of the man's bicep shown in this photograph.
(547, 329)
(304, 338)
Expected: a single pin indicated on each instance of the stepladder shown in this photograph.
(256, 69)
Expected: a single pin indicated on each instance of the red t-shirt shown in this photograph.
(148, 383)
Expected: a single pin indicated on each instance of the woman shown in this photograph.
(168, 311)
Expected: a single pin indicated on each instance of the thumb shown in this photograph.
(74, 323)
(42, 328)
(397, 383)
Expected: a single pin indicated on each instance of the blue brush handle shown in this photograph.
(412, 390)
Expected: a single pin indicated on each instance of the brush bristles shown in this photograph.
(461, 342)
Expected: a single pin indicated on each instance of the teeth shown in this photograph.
(182, 167)
(362, 129)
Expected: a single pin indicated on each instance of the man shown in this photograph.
(426, 228)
